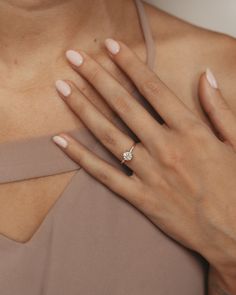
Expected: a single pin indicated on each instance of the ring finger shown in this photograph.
(108, 134)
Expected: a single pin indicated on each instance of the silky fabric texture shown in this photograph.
(91, 242)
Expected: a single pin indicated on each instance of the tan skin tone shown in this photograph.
(28, 84)
(183, 171)
(170, 34)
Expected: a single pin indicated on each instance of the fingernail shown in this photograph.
(112, 45)
(211, 78)
(60, 141)
(63, 87)
(74, 57)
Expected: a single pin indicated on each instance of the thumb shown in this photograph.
(217, 108)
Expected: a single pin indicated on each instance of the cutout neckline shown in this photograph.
(39, 156)
(17, 165)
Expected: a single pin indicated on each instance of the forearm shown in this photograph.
(220, 284)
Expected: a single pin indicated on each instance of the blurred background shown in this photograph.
(218, 15)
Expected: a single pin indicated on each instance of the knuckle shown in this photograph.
(79, 105)
(84, 87)
(151, 86)
(121, 104)
(94, 74)
(108, 138)
(103, 176)
(127, 85)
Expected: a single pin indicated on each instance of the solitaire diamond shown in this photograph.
(127, 156)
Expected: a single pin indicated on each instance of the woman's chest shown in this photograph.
(25, 203)
(39, 111)
(28, 114)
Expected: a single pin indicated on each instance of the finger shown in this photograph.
(217, 108)
(94, 97)
(111, 177)
(106, 132)
(117, 73)
(119, 99)
(173, 111)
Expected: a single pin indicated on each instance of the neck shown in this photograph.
(39, 30)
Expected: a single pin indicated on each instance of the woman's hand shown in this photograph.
(183, 174)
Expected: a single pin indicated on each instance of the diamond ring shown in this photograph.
(128, 155)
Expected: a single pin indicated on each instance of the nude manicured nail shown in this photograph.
(211, 78)
(112, 46)
(74, 57)
(63, 87)
(60, 141)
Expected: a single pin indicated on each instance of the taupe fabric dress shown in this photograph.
(92, 242)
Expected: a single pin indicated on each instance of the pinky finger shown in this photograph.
(111, 177)
(215, 105)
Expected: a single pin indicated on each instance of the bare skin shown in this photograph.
(183, 52)
(28, 77)
(183, 179)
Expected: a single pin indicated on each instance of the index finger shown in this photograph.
(119, 99)
(173, 111)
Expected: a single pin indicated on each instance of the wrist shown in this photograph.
(221, 282)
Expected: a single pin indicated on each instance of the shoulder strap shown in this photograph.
(150, 44)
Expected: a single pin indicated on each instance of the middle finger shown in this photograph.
(119, 99)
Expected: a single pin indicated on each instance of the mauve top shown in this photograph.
(91, 242)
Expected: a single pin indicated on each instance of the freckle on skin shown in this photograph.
(15, 61)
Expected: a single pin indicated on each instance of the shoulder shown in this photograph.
(193, 48)
(168, 29)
